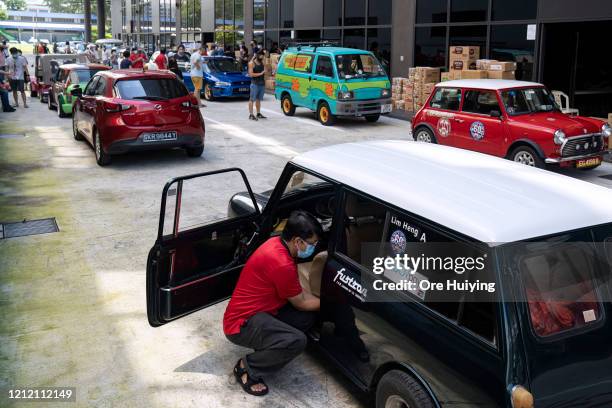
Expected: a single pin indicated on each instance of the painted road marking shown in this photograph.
(304, 121)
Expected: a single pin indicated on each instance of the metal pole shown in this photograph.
(87, 11)
(101, 19)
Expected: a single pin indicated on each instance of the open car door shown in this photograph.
(199, 251)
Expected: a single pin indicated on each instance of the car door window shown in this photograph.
(91, 86)
(100, 87)
(480, 101)
(324, 67)
(446, 98)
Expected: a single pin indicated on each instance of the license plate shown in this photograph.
(158, 136)
(594, 161)
(243, 89)
(386, 108)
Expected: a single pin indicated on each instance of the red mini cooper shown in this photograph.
(126, 110)
(512, 119)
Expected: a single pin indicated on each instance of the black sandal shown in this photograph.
(246, 386)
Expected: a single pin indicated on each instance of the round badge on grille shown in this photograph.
(586, 145)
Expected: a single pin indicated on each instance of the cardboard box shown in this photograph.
(464, 51)
(484, 63)
(427, 74)
(458, 63)
(474, 74)
(610, 118)
(501, 74)
(502, 66)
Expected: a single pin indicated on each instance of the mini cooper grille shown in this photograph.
(582, 145)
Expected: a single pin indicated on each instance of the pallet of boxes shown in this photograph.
(464, 63)
(270, 68)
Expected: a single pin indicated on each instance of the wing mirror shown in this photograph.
(495, 114)
(76, 91)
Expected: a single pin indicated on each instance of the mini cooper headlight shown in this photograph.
(222, 84)
(345, 95)
(559, 137)
(606, 130)
(385, 93)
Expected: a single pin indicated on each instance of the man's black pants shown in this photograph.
(275, 339)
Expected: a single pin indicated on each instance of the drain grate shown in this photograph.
(11, 135)
(32, 227)
(607, 176)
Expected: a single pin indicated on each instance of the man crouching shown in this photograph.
(269, 311)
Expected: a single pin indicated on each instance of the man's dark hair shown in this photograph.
(301, 224)
(126, 54)
(13, 50)
(162, 50)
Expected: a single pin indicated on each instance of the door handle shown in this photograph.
(459, 120)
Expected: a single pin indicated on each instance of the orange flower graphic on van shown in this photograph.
(295, 84)
(329, 90)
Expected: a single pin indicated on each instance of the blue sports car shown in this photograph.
(223, 78)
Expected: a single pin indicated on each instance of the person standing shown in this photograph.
(4, 88)
(258, 85)
(125, 62)
(197, 72)
(161, 60)
(91, 54)
(181, 55)
(18, 69)
(136, 59)
(67, 50)
(4, 54)
(244, 56)
(114, 59)
(174, 68)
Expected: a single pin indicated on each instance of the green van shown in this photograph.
(332, 81)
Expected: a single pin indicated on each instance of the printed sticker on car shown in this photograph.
(444, 127)
(477, 130)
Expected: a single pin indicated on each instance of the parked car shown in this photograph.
(128, 110)
(415, 349)
(332, 82)
(513, 119)
(223, 78)
(45, 67)
(66, 78)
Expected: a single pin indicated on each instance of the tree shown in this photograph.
(3, 13)
(65, 6)
(15, 4)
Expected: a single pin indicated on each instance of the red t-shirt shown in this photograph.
(268, 279)
(133, 58)
(160, 61)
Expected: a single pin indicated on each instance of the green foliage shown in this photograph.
(15, 4)
(66, 6)
(3, 13)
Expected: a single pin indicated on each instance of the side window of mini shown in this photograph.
(91, 86)
(324, 66)
(446, 98)
(480, 101)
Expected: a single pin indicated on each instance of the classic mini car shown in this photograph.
(512, 119)
(223, 78)
(66, 78)
(332, 82)
(542, 335)
(127, 110)
(45, 68)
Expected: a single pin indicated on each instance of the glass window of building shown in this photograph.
(287, 13)
(379, 42)
(332, 12)
(514, 10)
(332, 35)
(307, 15)
(354, 38)
(469, 10)
(475, 35)
(272, 9)
(239, 14)
(379, 12)
(432, 11)
(509, 43)
(354, 12)
(430, 46)
(219, 14)
(259, 7)
(307, 35)
(228, 15)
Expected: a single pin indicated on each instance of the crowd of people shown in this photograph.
(13, 77)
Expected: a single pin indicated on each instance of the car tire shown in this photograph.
(195, 151)
(324, 115)
(287, 105)
(208, 93)
(102, 158)
(424, 134)
(372, 118)
(33, 94)
(60, 111)
(75, 132)
(527, 156)
(399, 389)
(49, 103)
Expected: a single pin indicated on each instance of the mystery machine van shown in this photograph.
(332, 81)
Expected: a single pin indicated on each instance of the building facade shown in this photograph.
(557, 42)
(40, 23)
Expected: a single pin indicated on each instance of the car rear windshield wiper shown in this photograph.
(151, 98)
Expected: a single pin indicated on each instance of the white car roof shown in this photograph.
(493, 84)
(490, 199)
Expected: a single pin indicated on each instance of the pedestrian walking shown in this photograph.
(258, 85)
(18, 70)
(197, 72)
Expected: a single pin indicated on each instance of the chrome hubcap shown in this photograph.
(395, 401)
(423, 136)
(525, 158)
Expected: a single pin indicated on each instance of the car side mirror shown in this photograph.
(495, 114)
(76, 91)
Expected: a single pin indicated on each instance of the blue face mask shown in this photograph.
(307, 253)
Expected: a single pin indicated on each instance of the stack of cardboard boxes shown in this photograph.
(412, 92)
(397, 92)
(270, 68)
(465, 63)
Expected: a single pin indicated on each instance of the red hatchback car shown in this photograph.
(128, 110)
(512, 119)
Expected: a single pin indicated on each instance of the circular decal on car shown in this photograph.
(398, 242)
(477, 130)
(444, 127)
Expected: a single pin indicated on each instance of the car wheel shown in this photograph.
(195, 151)
(372, 118)
(287, 105)
(208, 93)
(423, 134)
(33, 94)
(60, 111)
(398, 389)
(102, 158)
(527, 156)
(49, 104)
(75, 130)
(324, 115)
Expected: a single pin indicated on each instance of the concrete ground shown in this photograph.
(73, 303)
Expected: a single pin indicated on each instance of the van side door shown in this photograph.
(324, 85)
(302, 78)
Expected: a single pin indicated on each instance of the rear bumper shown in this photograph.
(360, 107)
(130, 145)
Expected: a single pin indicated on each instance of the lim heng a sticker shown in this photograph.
(477, 130)
(444, 127)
